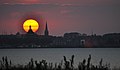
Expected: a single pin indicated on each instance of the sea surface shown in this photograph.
(55, 55)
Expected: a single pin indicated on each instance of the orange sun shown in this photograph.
(30, 22)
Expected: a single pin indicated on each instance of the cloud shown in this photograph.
(19, 1)
(65, 11)
(64, 2)
(78, 14)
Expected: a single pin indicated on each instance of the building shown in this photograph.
(73, 39)
(46, 33)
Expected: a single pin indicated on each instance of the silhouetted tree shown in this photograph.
(88, 62)
(100, 63)
(83, 64)
(67, 64)
(31, 64)
(72, 61)
(3, 59)
(6, 63)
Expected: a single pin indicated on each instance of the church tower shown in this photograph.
(30, 32)
(46, 33)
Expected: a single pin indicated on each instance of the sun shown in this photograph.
(30, 22)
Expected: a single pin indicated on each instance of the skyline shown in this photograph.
(81, 16)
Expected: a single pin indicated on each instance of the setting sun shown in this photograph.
(30, 22)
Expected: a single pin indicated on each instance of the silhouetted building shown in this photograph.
(72, 35)
(46, 30)
(30, 32)
(111, 39)
(73, 39)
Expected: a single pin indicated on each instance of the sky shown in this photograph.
(63, 16)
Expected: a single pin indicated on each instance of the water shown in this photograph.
(55, 55)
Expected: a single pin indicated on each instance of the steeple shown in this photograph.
(30, 31)
(30, 27)
(46, 30)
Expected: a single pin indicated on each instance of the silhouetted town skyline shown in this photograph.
(68, 40)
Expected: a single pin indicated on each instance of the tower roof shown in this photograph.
(46, 30)
(30, 31)
(46, 26)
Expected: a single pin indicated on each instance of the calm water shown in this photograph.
(22, 56)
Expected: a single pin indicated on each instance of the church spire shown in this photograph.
(30, 31)
(30, 27)
(46, 30)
